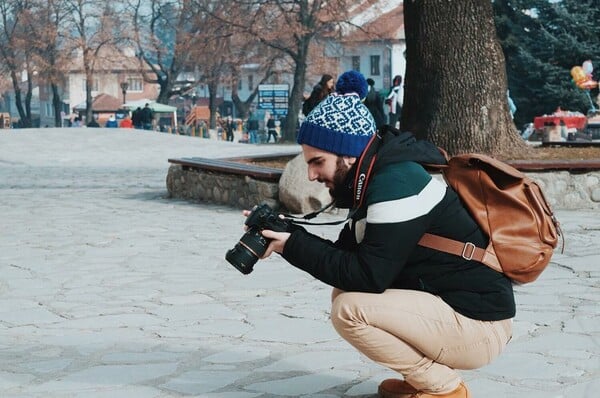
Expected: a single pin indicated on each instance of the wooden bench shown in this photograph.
(237, 165)
(577, 166)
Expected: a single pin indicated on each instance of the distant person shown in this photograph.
(93, 123)
(136, 118)
(76, 122)
(528, 130)
(147, 117)
(111, 122)
(126, 123)
(320, 91)
(374, 104)
(203, 129)
(252, 127)
(394, 100)
(229, 126)
(271, 129)
(512, 108)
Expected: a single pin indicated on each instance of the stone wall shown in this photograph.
(220, 187)
(564, 190)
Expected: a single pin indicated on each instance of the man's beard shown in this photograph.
(341, 191)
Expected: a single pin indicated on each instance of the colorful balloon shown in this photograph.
(588, 68)
(578, 74)
(582, 79)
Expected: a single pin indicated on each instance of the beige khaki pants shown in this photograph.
(418, 335)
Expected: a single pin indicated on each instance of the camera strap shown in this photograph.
(363, 175)
(310, 216)
(364, 168)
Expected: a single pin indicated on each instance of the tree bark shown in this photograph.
(455, 90)
(212, 103)
(24, 121)
(295, 100)
(166, 87)
(89, 83)
(56, 104)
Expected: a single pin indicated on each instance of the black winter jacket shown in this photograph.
(374, 104)
(377, 249)
(316, 96)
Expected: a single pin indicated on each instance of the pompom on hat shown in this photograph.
(341, 123)
(352, 82)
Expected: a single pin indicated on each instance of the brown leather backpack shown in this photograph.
(510, 208)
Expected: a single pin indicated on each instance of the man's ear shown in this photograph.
(349, 160)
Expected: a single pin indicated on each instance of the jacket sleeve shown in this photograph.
(396, 219)
(346, 239)
(311, 102)
(372, 267)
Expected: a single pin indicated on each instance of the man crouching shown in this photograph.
(418, 311)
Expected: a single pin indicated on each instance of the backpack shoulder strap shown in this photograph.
(466, 250)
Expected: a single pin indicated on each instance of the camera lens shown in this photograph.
(241, 259)
(247, 251)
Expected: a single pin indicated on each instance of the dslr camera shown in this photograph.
(252, 244)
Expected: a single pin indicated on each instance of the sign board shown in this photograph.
(274, 98)
(5, 120)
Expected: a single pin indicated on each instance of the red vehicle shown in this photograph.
(561, 126)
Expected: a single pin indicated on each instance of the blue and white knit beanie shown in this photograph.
(341, 123)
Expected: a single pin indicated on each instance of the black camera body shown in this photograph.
(252, 244)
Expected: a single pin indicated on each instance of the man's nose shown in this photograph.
(312, 175)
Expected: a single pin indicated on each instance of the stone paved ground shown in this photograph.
(110, 289)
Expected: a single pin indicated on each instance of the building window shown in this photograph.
(135, 84)
(375, 71)
(94, 85)
(250, 82)
(49, 110)
(356, 63)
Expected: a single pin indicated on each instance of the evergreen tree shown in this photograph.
(542, 40)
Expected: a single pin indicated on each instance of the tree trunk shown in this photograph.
(29, 94)
(56, 104)
(455, 90)
(166, 86)
(89, 79)
(24, 122)
(212, 103)
(291, 121)
(241, 107)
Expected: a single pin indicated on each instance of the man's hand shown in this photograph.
(278, 239)
(277, 243)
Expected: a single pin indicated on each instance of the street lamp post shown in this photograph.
(124, 87)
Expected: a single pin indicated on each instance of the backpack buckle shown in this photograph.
(468, 251)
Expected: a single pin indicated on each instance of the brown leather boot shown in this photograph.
(395, 388)
(460, 392)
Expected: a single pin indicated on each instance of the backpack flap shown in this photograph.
(510, 209)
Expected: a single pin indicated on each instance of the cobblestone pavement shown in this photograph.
(110, 289)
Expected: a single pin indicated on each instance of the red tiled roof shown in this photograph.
(109, 59)
(103, 103)
(389, 25)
